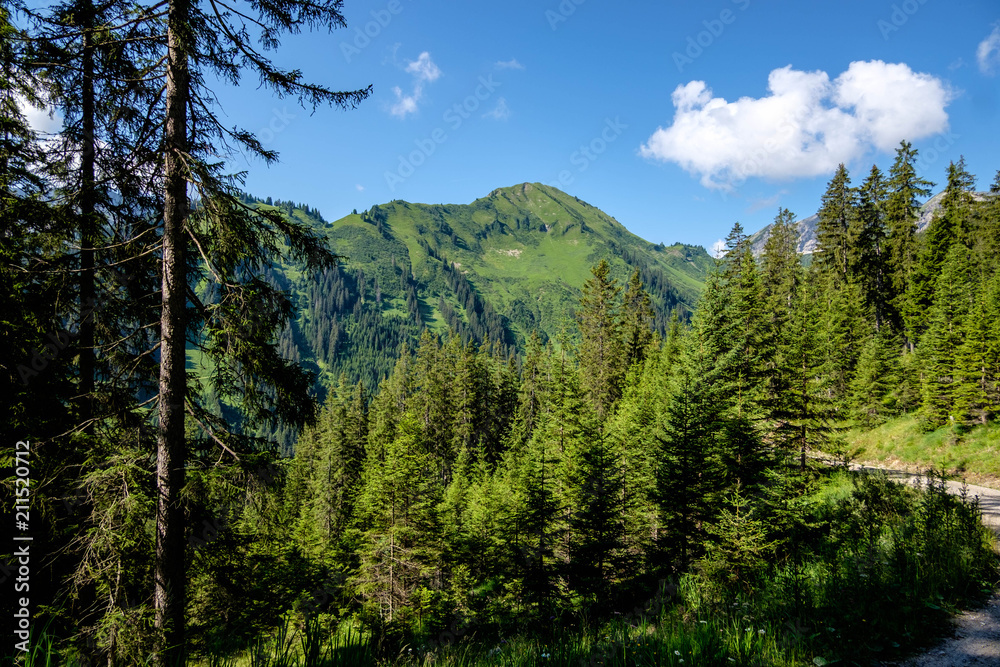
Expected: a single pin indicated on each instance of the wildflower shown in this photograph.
(760, 632)
(703, 622)
(677, 652)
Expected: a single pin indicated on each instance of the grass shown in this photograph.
(973, 454)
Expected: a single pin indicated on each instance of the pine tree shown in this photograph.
(532, 393)
(781, 278)
(976, 360)
(869, 269)
(336, 449)
(809, 408)
(595, 552)
(686, 473)
(877, 376)
(836, 219)
(602, 361)
(901, 208)
(949, 227)
(399, 517)
(941, 342)
(637, 321)
(734, 305)
(234, 241)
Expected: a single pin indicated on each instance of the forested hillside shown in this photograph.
(471, 494)
(505, 267)
(543, 440)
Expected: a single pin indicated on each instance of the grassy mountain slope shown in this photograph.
(501, 267)
(901, 443)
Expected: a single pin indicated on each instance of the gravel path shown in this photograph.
(976, 639)
(989, 499)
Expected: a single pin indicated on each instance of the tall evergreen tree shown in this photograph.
(686, 471)
(637, 321)
(781, 278)
(902, 205)
(869, 269)
(233, 241)
(942, 340)
(836, 220)
(949, 227)
(601, 350)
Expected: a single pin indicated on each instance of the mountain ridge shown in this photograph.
(499, 268)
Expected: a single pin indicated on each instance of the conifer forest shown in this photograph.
(653, 485)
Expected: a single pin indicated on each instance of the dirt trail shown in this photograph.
(976, 639)
(989, 499)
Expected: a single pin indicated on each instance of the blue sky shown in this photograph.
(677, 118)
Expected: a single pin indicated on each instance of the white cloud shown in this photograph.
(406, 104)
(424, 68)
(988, 52)
(804, 127)
(509, 64)
(359, 187)
(40, 120)
(718, 249)
(500, 112)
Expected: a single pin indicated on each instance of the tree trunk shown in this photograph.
(169, 590)
(88, 223)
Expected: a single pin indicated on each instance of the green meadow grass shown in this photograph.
(972, 454)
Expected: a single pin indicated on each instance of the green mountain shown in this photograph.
(499, 268)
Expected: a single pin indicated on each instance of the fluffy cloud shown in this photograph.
(405, 104)
(423, 70)
(805, 126)
(988, 52)
(718, 249)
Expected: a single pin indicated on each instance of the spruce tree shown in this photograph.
(637, 321)
(902, 205)
(869, 269)
(877, 375)
(781, 278)
(602, 360)
(942, 340)
(836, 220)
(686, 474)
(950, 227)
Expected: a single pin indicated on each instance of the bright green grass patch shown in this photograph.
(974, 453)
